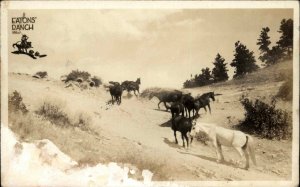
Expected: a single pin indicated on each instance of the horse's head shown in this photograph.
(212, 96)
(123, 85)
(151, 95)
(195, 128)
(138, 80)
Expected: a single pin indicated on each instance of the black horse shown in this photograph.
(204, 100)
(132, 86)
(115, 91)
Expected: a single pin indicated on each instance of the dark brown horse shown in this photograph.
(115, 91)
(166, 97)
(132, 86)
(204, 100)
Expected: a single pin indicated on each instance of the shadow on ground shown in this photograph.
(227, 163)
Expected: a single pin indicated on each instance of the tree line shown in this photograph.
(244, 60)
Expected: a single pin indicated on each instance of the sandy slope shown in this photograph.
(136, 130)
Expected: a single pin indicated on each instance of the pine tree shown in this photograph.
(219, 72)
(286, 39)
(264, 42)
(244, 60)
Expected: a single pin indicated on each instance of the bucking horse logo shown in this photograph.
(23, 47)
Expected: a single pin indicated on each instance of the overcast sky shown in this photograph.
(163, 47)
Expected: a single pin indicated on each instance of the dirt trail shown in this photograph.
(137, 127)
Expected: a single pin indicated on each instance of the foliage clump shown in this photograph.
(41, 74)
(97, 81)
(265, 121)
(74, 75)
(15, 103)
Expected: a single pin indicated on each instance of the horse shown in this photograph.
(115, 91)
(219, 136)
(166, 97)
(177, 108)
(21, 47)
(183, 125)
(132, 86)
(204, 100)
(190, 104)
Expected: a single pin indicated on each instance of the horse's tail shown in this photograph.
(249, 145)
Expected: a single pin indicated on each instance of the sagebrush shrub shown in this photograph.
(75, 74)
(42, 74)
(97, 81)
(265, 120)
(285, 91)
(15, 103)
(54, 113)
(202, 137)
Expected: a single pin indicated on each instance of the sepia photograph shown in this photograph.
(149, 93)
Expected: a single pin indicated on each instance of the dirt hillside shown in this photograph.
(136, 132)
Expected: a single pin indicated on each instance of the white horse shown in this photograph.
(231, 138)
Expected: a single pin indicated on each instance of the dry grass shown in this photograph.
(285, 92)
(55, 111)
(275, 73)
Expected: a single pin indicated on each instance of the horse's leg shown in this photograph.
(158, 104)
(220, 151)
(247, 158)
(112, 99)
(187, 140)
(240, 151)
(182, 137)
(215, 144)
(209, 108)
(134, 93)
(166, 106)
(176, 141)
(192, 137)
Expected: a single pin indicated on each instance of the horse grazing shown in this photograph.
(204, 100)
(183, 125)
(166, 97)
(132, 86)
(115, 91)
(219, 136)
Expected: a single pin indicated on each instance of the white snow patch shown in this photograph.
(41, 163)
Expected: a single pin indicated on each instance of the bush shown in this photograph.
(202, 137)
(56, 112)
(15, 103)
(285, 92)
(41, 74)
(76, 74)
(97, 81)
(265, 120)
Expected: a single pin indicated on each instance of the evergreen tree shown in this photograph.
(206, 74)
(286, 39)
(244, 60)
(264, 42)
(219, 72)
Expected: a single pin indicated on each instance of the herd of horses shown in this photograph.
(116, 89)
(181, 105)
